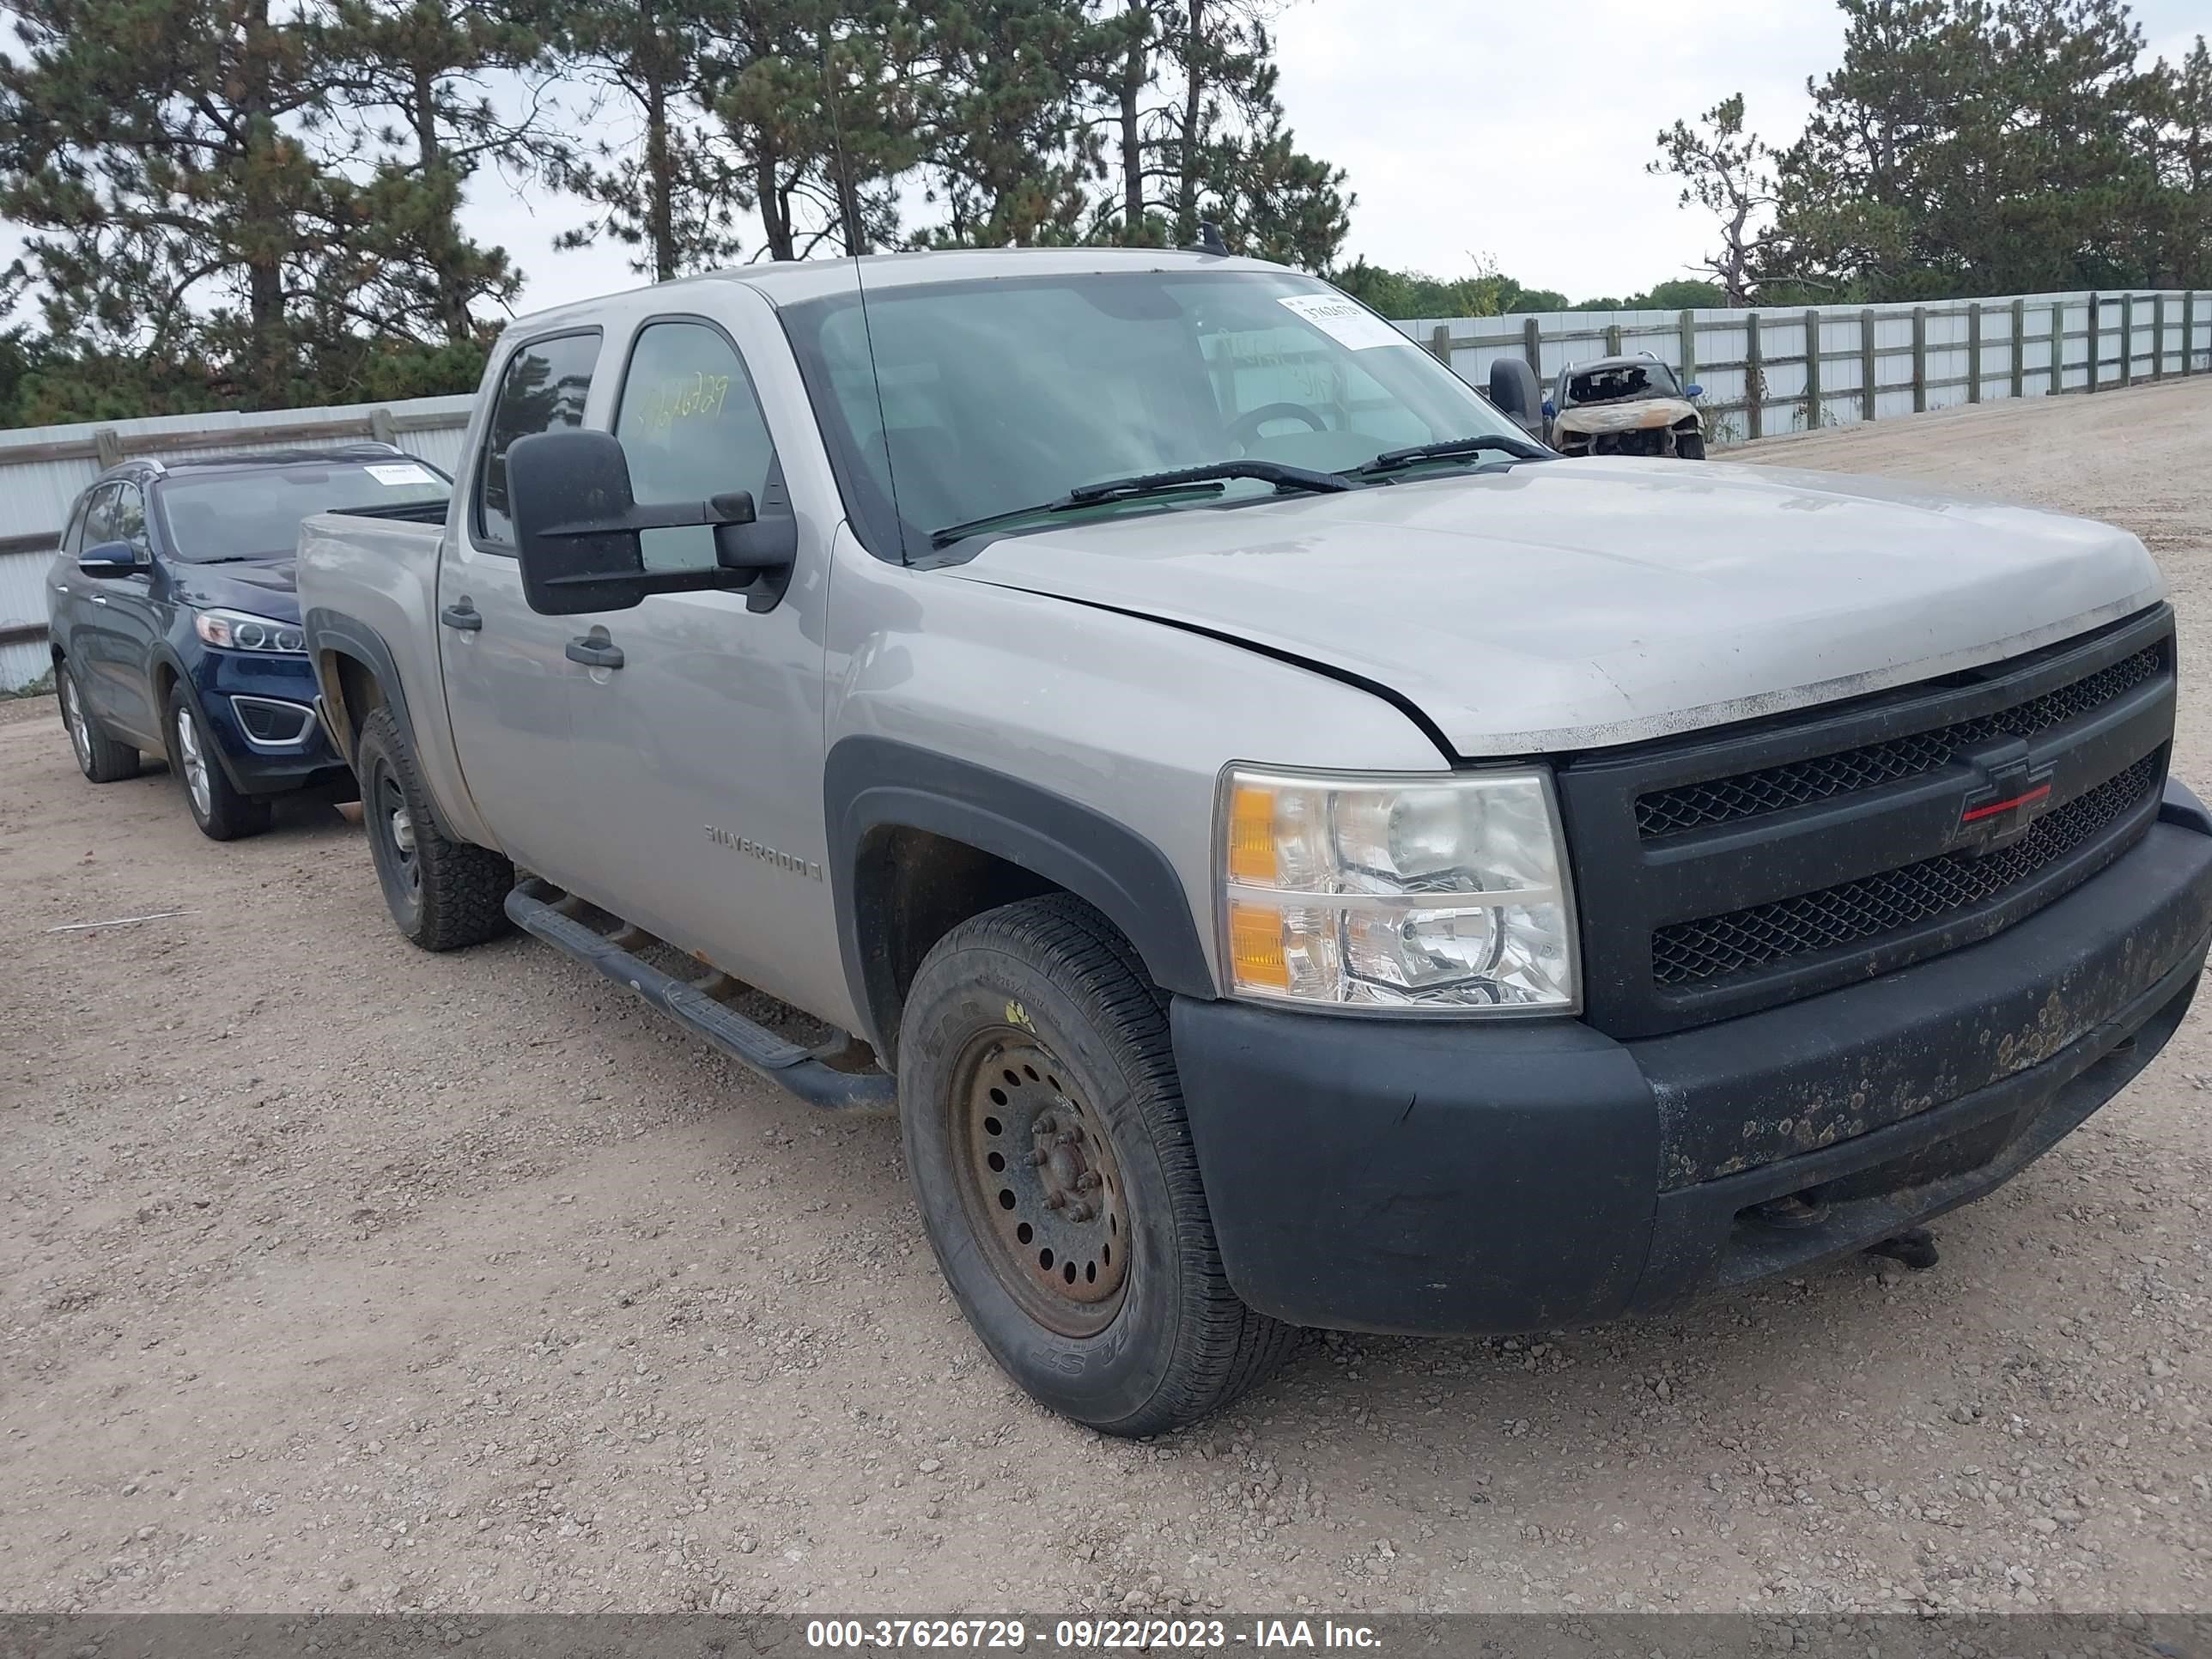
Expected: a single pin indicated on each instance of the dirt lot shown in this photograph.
(334, 1275)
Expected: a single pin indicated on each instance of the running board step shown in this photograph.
(799, 1070)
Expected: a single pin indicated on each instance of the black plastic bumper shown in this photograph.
(1368, 1174)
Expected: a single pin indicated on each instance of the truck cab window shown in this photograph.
(543, 388)
(692, 428)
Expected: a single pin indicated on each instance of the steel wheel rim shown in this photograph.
(195, 761)
(396, 828)
(1041, 1184)
(73, 717)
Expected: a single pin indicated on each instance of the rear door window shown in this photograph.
(543, 389)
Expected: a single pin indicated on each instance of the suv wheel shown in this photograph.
(99, 757)
(1044, 1126)
(442, 894)
(222, 812)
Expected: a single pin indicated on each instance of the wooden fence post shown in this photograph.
(1688, 324)
(2096, 340)
(1440, 344)
(1974, 352)
(1919, 359)
(107, 444)
(381, 429)
(1754, 379)
(1612, 339)
(2127, 339)
(2020, 348)
(2188, 329)
(1869, 371)
(1813, 407)
(2158, 338)
(1532, 347)
(2057, 347)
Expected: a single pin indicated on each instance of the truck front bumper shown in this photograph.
(1420, 1176)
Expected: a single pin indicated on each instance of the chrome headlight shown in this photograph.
(235, 630)
(1424, 894)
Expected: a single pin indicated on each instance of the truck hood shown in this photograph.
(1577, 603)
(1631, 414)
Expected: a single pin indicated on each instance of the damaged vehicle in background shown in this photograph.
(1624, 406)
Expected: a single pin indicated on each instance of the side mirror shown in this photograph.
(1694, 390)
(1551, 410)
(108, 559)
(1513, 390)
(576, 529)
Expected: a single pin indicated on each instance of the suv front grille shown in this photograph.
(1725, 800)
(1715, 947)
(1729, 871)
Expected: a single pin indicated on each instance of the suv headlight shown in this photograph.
(1445, 895)
(237, 631)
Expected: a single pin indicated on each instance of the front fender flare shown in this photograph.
(871, 783)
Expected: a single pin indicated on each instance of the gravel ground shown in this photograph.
(334, 1275)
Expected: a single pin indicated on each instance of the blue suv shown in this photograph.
(175, 628)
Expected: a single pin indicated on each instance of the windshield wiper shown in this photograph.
(1185, 480)
(1392, 460)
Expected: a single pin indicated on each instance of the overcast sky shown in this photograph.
(1471, 128)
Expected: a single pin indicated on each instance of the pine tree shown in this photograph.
(675, 197)
(160, 155)
(413, 89)
(1728, 172)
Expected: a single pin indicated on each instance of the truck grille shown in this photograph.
(1725, 800)
(1733, 871)
(1713, 947)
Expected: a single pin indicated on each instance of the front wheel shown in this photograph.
(1690, 446)
(443, 894)
(1044, 1124)
(222, 811)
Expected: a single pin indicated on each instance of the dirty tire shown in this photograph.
(99, 757)
(1051, 977)
(1690, 446)
(443, 894)
(222, 811)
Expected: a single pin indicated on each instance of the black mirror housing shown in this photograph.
(108, 559)
(1513, 390)
(577, 524)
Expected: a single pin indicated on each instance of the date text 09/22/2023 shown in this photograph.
(1083, 1635)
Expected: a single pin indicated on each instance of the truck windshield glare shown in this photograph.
(986, 398)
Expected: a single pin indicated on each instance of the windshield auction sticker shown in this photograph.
(396, 473)
(1343, 321)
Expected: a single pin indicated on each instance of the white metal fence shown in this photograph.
(43, 469)
(1871, 362)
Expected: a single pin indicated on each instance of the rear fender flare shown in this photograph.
(331, 634)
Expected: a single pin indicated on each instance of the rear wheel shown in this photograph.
(99, 757)
(222, 811)
(1044, 1126)
(443, 894)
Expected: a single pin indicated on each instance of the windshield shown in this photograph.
(1606, 383)
(995, 396)
(256, 514)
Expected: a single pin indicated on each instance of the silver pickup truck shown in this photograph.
(1292, 851)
